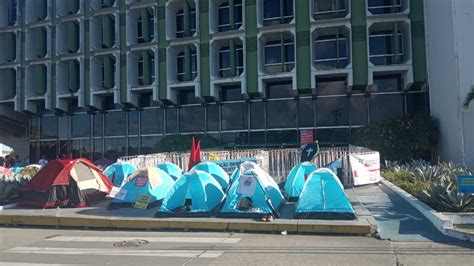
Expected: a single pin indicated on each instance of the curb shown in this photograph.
(359, 227)
(439, 220)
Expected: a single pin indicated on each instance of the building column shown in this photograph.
(303, 46)
(123, 51)
(161, 94)
(204, 64)
(418, 44)
(251, 55)
(359, 44)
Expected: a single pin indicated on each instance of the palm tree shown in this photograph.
(469, 98)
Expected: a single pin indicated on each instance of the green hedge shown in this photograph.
(400, 139)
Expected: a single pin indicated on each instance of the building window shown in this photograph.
(387, 83)
(331, 52)
(106, 3)
(386, 47)
(378, 7)
(12, 10)
(327, 9)
(187, 96)
(73, 70)
(145, 26)
(108, 70)
(227, 67)
(146, 68)
(225, 23)
(180, 25)
(279, 56)
(231, 93)
(277, 12)
(108, 31)
(182, 73)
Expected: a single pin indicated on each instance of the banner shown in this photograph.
(365, 168)
(466, 184)
(142, 202)
(306, 137)
(118, 193)
(230, 165)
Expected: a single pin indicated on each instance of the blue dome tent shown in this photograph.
(323, 197)
(171, 169)
(216, 171)
(148, 181)
(296, 179)
(253, 193)
(117, 172)
(195, 194)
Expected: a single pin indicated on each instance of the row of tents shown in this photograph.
(204, 191)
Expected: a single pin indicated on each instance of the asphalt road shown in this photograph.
(26, 246)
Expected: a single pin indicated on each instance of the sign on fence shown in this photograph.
(466, 184)
(365, 168)
(230, 165)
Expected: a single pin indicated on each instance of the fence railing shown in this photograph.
(278, 162)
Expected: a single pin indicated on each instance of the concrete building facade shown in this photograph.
(107, 78)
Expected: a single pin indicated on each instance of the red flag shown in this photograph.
(197, 153)
(191, 156)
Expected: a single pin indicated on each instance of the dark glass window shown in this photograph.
(282, 89)
(333, 135)
(383, 107)
(108, 72)
(33, 152)
(331, 52)
(64, 127)
(378, 7)
(115, 123)
(180, 27)
(187, 96)
(81, 148)
(191, 119)
(417, 103)
(49, 127)
(332, 111)
(279, 56)
(171, 120)
(327, 9)
(358, 110)
(387, 83)
(212, 117)
(231, 93)
(382, 49)
(224, 17)
(133, 146)
(34, 128)
(234, 116)
(80, 126)
(277, 12)
(12, 10)
(235, 139)
(152, 121)
(305, 112)
(133, 122)
(97, 121)
(114, 148)
(49, 149)
(225, 68)
(146, 68)
(257, 139)
(257, 115)
(145, 26)
(282, 138)
(149, 144)
(181, 66)
(331, 86)
(98, 149)
(281, 114)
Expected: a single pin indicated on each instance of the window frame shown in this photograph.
(398, 6)
(281, 17)
(334, 11)
(282, 62)
(336, 39)
(386, 56)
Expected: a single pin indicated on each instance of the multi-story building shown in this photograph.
(108, 78)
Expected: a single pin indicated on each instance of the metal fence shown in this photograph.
(278, 162)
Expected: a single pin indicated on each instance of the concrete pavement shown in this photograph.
(23, 246)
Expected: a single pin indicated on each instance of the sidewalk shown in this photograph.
(130, 218)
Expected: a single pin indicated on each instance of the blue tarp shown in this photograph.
(149, 181)
(171, 169)
(323, 197)
(196, 193)
(297, 177)
(216, 171)
(251, 182)
(117, 172)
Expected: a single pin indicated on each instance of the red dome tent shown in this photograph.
(66, 183)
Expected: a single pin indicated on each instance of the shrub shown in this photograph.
(404, 180)
(400, 139)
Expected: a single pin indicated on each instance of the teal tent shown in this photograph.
(149, 181)
(117, 172)
(195, 194)
(253, 193)
(296, 179)
(216, 171)
(323, 197)
(171, 169)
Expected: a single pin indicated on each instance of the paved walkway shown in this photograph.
(396, 219)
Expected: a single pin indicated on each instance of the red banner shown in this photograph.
(306, 137)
